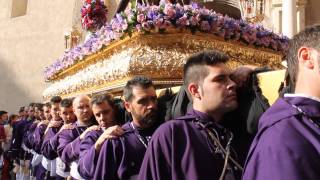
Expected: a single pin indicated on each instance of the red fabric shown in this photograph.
(2, 133)
(5, 170)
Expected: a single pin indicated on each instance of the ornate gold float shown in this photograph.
(159, 56)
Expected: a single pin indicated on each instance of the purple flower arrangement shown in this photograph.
(147, 19)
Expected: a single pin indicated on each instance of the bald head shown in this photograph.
(80, 98)
(82, 108)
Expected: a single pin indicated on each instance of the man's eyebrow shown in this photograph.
(221, 75)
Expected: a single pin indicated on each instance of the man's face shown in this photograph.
(143, 105)
(37, 113)
(31, 111)
(55, 111)
(46, 112)
(104, 114)
(82, 109)
(218, 91)
(4, 117)
(22, 113)
(67, 114)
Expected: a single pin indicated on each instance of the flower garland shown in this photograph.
(93, 14)
(146, 19)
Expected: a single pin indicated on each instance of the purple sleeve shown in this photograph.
(277, 159)
(28, 136)
(157, 159)
(69, 146)
(38, 138)
(88, 156)
(47, 149)
(108, 161)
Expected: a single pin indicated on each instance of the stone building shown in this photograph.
(33, 33)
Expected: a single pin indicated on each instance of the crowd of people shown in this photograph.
(101, 137)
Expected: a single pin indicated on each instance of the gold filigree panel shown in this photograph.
(159, 56)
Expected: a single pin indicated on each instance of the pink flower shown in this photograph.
(141, 18)
(194, 20)
(138, 27)
(154, 8)
(159, 23)
(169, 10)
(183, 21)
(146, 26)
(205, 12)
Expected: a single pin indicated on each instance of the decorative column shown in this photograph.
(301, 15)
(289, 18)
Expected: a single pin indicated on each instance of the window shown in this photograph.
(19, 8)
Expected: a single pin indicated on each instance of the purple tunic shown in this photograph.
(17, 137)
(38, 138)
(49, 148)
(69, 143)
(121, 158)
(50, 143)
(287, 145)
(29, 136)
(88, 157)
(182, 149)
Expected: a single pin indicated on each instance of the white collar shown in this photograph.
(302, 95)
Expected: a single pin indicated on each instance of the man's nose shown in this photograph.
(232, 84)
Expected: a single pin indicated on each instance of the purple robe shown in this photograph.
(121, 158)
(50, 143)
(69, 143)
(49, 148)
(29, 136)
(88, 156)
(182, 149)
(287, 145)
(17, 137)
(38, 138)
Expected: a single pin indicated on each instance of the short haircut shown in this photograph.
(21, 109)
(55, 99)
(309, 37)
(3, 112)
(32, 104)
(194, 70)
(140, 81)
(11, 118)
(39, 106)
(66, 103)
(47, 105)
(105, 97)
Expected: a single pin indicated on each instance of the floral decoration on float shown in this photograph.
(93, 15)
(163, 18)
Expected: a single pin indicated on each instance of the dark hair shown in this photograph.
(194, 70)
(39, 106)
(66, 103)
(11, 117)
(55, 99)
(32, 104)
(3, 112)
(100, 98)
(21, 109)
(47, 104)
(309, 37)
(141, 81)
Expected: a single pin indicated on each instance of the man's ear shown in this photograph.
(127, 105)
(194, 90)
(305, 57)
